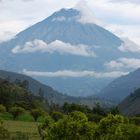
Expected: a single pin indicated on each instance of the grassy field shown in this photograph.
(30, 128)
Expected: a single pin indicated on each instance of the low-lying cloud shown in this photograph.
(123, 63)
(75, 74)
(56, 46)
(129, 46)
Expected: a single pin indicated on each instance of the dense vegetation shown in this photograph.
(66, 122)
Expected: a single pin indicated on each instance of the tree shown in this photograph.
(114, 111)
(41, 93)
(42, 128)
(67, 108)
(57, 116)
(99, 110)
(78, 116)
(94, 117)
(2, 109)
(36, 113)
(25, 84)
(16, 111)
(72, 127)
(109, 126)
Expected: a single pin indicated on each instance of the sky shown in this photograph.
(122, 17)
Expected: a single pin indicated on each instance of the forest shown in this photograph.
(69, 121)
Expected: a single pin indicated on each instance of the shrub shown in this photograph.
(36, 113)
(16, 111)
(75, 126)
(2, 109)
(57, 116)
(94, 117)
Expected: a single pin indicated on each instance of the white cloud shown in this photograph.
(126, 1)
(62, 18)
(86, 14)
(126, 31)
(71, 73)
(123, 63)
(129, 46)
(56, 46)
(5, 36)
(114, 64)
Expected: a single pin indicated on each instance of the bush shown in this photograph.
(36, 113)
(2, 109)
(6, 116)
(57, 116)
(94, 117)
(135, 120)
(26, 117)
(42, 128)
(75, 126)
(16, 111)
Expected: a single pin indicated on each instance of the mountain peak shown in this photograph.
(65, 15)
(86, 14)
(80, 13)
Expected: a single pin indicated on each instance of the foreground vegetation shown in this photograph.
(27, 117)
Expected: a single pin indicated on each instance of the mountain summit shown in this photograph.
(69, 51)
(68, 25)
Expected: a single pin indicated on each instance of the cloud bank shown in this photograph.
(75, 74)
(129, 46)
(123, 63)
(126, 1)
(56, 46)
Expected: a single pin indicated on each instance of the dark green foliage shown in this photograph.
(13, 95)
(99, 110)
(6, 116)
(42, 128)
(75, 126)
(94, 117)
(67, 108)
(114, 110)
(36, 113)
(69, 122)
(57, 115)
(2, 109)
(117, 128)
(16, 111)
(135, 120)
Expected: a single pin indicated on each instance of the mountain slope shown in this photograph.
(131, 105)
(47, 92)
(11, 94)
(65, 53)
(122, 87)
(33, 85)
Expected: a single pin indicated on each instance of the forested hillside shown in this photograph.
(50, 121)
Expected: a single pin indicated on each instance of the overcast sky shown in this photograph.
(120, 16)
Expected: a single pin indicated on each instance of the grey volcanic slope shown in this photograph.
(122, 86)
(131, 105)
